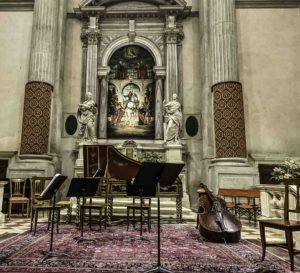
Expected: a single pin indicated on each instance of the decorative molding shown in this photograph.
(16, 5)
(267, 4)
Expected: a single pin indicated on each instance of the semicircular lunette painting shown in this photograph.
(131, 97)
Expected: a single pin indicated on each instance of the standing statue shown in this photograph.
(86, 115)
(174, 119)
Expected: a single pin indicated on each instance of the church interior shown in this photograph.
(149, 136)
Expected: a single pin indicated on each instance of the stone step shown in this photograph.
(167, 208)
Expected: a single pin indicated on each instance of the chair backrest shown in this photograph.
(37, 185)
(17, 187)
(287, 208)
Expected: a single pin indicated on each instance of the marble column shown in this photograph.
(223, 35)
(56, 115)
(102, 126)
(229, 168)
(84, 59)
(38, 90)
(93, 37)
(230, 137)
(160, 73)
(171, 35)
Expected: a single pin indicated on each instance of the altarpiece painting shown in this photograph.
(131, 97)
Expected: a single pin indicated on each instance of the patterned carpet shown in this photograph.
(183, 251)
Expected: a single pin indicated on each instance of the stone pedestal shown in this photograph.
(174, 155)
(2, 216)
(232, 173)
(31, 165)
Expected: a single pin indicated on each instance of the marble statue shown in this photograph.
(173, 116)
(86, 115)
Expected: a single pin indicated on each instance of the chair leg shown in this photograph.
(133, 214)
(263, 240)
(27, 209)
(57, 220)
(127, 219)
(100, 218)
(31, 222)
(9, 210)
(35, 221)
(289, 241)
(49, 219)
(148, 215)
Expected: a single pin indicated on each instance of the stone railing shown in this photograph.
(272, 203)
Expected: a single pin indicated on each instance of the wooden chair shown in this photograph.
(17, 194)
(251, 208)
(38, 184)
(137, 207)
(285, 224)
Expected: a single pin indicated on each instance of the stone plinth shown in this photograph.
(174, 153)
(2, 216)
(232, 173)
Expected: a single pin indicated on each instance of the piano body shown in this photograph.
(115, 169)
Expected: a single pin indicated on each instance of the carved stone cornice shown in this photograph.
(160, 72)
(16, 5)
(267, 3)
(173, 36)
(103, 72)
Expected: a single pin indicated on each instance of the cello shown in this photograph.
(216, 223)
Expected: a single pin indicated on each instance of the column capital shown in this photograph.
(91, 36)
(103, 72)
(160, 72)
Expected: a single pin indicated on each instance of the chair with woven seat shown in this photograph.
(136, 206)
(285, 224)
(17, 188)
(38, 184)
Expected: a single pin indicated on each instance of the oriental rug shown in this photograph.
(183, 250)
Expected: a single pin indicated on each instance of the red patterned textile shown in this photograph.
(36, 118)
(229, 120)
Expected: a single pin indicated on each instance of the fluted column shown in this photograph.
(84, 60)
(93, 37)
(230, 137)
(223, 41)
(102, 126)
(38, 91)
(160, 73)
(171, 36)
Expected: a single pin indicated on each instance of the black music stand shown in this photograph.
(83, 187)
(165, 176)
(48, 193)
(144, 185)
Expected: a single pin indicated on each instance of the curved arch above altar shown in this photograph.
(124, 41)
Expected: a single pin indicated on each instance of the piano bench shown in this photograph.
(90, 208)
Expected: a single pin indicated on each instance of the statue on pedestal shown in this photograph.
(86, 115)
(173, 116)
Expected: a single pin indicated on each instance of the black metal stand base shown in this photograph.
(51, 254)
(80, 239)
(158, 269)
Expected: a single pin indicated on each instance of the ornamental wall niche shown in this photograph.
(130, 58)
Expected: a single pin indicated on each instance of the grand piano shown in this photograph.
(115, 168)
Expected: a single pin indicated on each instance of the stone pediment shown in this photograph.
(128, 3)
(132, 8)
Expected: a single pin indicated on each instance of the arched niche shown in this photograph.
(156, 83)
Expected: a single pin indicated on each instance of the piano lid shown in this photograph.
(110, 161)
(120, 166)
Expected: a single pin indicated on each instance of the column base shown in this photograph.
(232, 173)
(27, 165)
